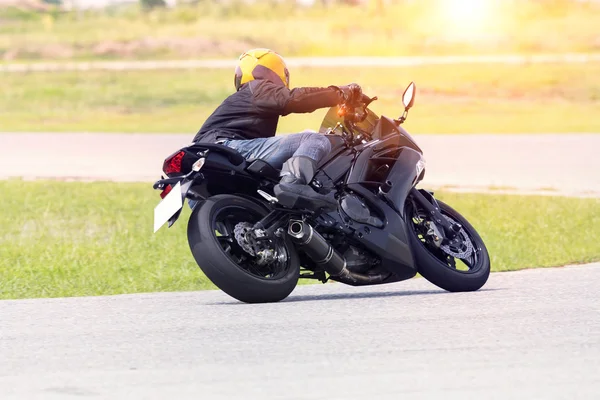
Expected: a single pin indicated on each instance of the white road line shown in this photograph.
(322, 62)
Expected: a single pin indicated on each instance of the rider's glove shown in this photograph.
(350, 93)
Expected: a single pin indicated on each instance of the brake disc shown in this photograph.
(465, 250)
(243, 235)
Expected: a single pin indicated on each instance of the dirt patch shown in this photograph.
(49, 51)
(196, 47)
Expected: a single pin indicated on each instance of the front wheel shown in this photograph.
(229, 254)
(460, 266)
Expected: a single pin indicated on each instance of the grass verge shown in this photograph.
(450, 99)
(82, 239)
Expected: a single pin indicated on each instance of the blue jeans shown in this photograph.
(278, 149)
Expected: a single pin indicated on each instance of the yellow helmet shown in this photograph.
(261, 64)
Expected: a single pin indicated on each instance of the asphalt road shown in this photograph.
(563, 164)
(532, 334)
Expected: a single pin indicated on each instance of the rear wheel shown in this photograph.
(234, 259)
(462, 265)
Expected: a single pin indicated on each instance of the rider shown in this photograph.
(247, 120)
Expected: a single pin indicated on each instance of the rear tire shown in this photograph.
(430, 261)
(216, 253)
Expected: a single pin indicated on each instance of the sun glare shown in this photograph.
(466, 17)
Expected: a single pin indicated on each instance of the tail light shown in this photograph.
(172, 165)
(165, 191)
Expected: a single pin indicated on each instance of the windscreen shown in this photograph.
(332, 118)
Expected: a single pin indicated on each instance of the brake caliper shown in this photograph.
(250, 242)
(459, 247)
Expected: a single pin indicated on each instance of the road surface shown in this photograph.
(561, 164)
(533, 334)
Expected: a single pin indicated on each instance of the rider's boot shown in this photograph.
(293, 190)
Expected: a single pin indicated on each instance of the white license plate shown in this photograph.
(168, 207)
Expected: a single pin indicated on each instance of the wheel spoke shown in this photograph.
(467, 262)
(226, 248)
(229, 225)
(451, 261)
(222, 229)
(227, 239)
(252, 268)
(472, 260)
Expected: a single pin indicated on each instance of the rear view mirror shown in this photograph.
(408, 98)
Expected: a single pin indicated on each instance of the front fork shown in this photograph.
(428, 202)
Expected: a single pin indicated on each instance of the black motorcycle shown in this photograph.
(384, 230)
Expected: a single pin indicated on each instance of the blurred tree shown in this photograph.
(36, 5)
(149, 4)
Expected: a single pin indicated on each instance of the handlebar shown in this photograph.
(355, 111)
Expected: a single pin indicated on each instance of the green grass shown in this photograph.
(81, 239)
(450, 99)
(211, 29)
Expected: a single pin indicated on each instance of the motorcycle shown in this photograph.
(384, 230)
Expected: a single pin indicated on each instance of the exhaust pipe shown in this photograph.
(323, 254)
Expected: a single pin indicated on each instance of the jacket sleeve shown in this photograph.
(276, 99)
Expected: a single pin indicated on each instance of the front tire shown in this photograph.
(225, 262)
(440, 268)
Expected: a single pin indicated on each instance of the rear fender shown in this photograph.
(232, 156)
(185, 187)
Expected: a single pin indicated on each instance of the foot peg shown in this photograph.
(267, 196)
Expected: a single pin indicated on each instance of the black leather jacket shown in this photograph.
(254, 110)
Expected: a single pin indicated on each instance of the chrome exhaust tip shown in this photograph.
(296, 229)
